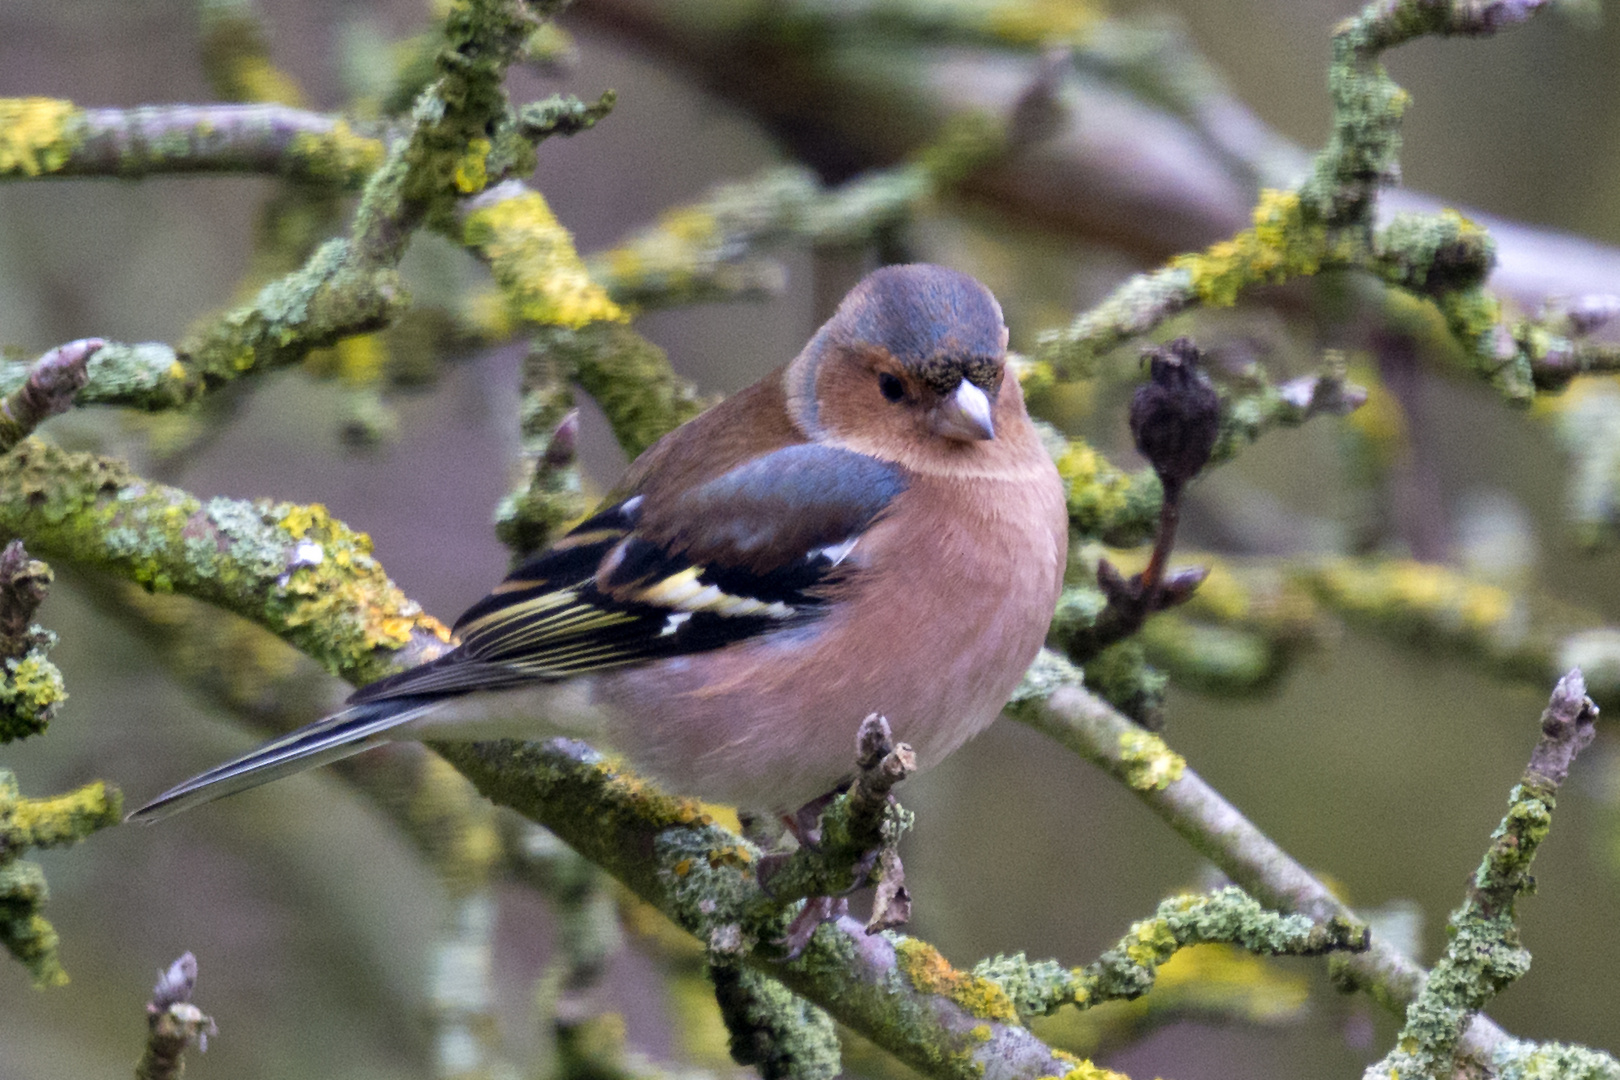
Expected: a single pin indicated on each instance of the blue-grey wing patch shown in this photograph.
(746, 553)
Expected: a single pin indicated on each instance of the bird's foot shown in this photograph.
(847, 840)
(817, 910)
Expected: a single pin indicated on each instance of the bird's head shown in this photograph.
(914, 357)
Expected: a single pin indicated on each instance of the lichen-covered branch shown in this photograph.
(710, 250)
(294, 569)
(1053, 700)
(1128, 970)
(347, 286)
(1483, 954)
(30, 685)
(773, 1029)
(1328, 223)
(30, 690)
(544, 283)
(49, 137)
(41, 823)
(895, 990)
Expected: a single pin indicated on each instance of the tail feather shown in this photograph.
(357, 728)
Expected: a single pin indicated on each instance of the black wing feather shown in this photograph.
(747, 553)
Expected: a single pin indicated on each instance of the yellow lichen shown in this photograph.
(1095, 488)
(471, 172)
(1150, 942)
(62, 818)
(361, 359)
(256, 79)
(1083, 1069)
(535, 264)
(1402, 587)
(1150, 765)
(37, 135)
(931, 973)
(1034, 22)
(690, 224)
(299, 520)
(1285, 242)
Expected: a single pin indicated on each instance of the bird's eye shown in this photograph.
(890, 387)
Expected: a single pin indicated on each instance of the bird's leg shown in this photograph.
(805, 822)
(843, 838)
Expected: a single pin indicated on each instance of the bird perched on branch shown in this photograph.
(875, 527)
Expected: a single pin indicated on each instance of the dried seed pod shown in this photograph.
(1175, 416)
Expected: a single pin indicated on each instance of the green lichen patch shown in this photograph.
(774, 1029)
(31, 688)
(1121, 675)
(38, 135)
(340, 156)
(1036, 988)
(631, 378)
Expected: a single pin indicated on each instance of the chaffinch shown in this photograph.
(875, 527)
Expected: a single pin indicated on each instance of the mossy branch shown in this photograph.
(1053, 700)
(42, 823)
(52, 138)
(1327, 224)
(894, 990)
(711, 249)
(294, 569)
(1128, 970)
(1483, 954)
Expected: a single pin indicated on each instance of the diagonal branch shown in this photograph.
(1055, 702)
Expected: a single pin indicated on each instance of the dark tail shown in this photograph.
(357, 728)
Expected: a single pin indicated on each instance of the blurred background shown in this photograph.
(1379, 763)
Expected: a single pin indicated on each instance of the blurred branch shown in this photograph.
(47, 137)
(1130, 163)
(1249, 618)
(711, 250)
(235, 46)
(60, 821)
(1483, 954)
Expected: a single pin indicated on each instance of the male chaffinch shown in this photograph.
(874, 527)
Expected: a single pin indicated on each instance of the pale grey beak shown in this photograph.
(965, 415)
